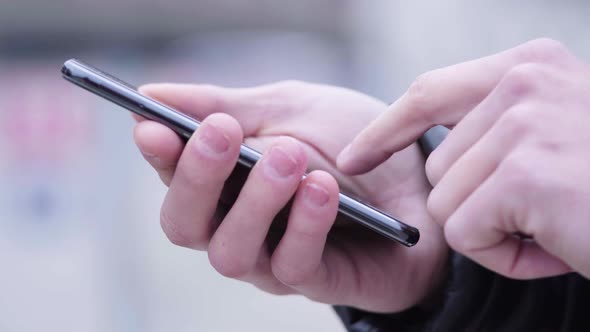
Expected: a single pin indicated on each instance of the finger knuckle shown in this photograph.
(227, 263)
(516, 175)
(215, 100)
(202, 179)
(434, 167)
(523, 80)
(544, 50)
(419, 96)
(290, 275)
(173, 232)
(517, 122)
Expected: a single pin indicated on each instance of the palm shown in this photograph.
(325, 119)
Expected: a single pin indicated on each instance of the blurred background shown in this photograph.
(80, 244)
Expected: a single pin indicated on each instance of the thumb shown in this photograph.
(247, 105)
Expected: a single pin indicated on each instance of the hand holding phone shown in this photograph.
(128, 97)
(315, 255)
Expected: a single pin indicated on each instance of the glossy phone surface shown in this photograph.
(128, 97)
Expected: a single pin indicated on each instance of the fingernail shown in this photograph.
(316, 195)
(213, 140)
(281, 163)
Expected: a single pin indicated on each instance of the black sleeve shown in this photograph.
(476, 299)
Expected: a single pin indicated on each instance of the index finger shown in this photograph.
(440, 97)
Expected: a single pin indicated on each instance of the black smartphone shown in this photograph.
(127, 96)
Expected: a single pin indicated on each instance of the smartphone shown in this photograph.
(127, 96)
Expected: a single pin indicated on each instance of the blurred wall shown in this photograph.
(395, 41)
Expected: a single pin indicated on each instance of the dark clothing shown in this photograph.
(476, 299)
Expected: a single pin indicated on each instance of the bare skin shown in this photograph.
(299, 126)
(512, 179)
